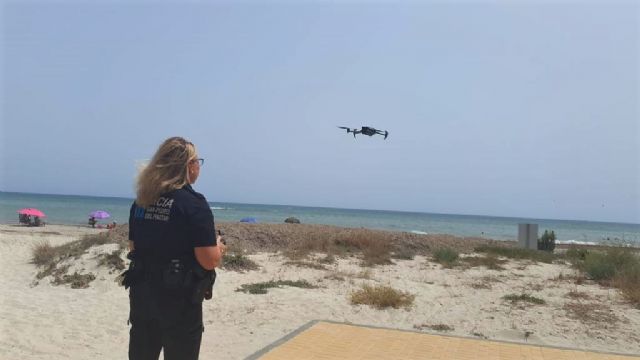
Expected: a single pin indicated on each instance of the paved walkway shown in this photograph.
(326, 340)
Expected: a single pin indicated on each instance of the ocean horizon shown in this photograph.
(74, 210)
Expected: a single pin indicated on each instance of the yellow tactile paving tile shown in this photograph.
(331, 341)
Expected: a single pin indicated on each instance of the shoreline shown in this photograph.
(561, 245)
(615, 242)
(215, 205)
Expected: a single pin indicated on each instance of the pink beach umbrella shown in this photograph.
(32, 212)
(99, 214)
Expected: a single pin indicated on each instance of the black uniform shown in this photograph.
(164, 313)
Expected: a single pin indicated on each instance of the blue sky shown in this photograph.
(493, 108)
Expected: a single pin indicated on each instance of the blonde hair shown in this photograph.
(166, 171)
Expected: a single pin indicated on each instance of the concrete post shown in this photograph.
(528, 236)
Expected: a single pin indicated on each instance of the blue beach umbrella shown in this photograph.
(99, 214)
(249, 220)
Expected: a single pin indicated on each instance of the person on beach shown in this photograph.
(174, 251)
(92, 222)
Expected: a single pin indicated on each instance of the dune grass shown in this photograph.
(373, 246)
(450, 258)
(305, 264)
(262, 288)
(112, 260)
(47, 258)
(446, 257)
(238, 262)
(514, 298)
(381, 297)
(517, 253)
(76, 280)
(618, 267)
(43, 253)
(592, 314)
(491, 262)
(435, 327)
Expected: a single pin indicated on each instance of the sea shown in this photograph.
(74, 210)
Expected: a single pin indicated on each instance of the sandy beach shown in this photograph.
(40, 320)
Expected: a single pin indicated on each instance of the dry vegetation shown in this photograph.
(317, 246)
(591, 313)
(305, 264)
(485, 282)
(381, 297)
(516, 298)
(517, 253)
(48, 258)
(112, 261)
(298, 241)
(578, 295)
(435, 327)
(491, 262)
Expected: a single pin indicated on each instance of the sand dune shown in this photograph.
(43, 321)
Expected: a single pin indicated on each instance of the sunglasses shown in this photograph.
(199, 160)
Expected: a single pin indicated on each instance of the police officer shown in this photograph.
(174, 250)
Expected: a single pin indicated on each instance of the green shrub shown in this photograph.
(548, 241)
(614, 262)
(446, 256)
(628, 280)
(576, 254)
(598, 267)
(618, 267)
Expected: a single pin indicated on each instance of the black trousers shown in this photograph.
(163, 319)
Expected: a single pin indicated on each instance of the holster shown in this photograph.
(203, 284)
(173, 275)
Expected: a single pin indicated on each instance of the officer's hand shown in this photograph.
(221, 245)
(219, 237)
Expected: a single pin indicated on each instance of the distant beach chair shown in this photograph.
(24, 219)
(37, 221)
(92, 222)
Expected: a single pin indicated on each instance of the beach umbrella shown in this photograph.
(32, 212)
(99, 214)
(249, 220)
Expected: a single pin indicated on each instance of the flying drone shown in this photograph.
(366, 130)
